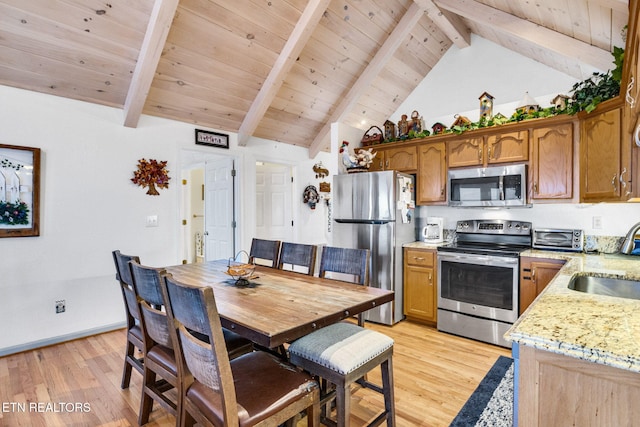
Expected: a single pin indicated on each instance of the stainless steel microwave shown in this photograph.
(485, 187)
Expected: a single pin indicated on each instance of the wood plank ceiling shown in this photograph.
(282, 70)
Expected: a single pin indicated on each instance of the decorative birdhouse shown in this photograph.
(560, 102)
(389, 130)
(461, 121)
(486, 105)
(438, 128)
(528, 105)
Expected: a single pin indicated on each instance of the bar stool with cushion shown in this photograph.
(253, 389)
(294, 255)
(265, 252)
(134, 333)
(343, 353)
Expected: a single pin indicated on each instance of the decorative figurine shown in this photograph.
(320, 171)
(486, 106)
(415, 124)
(403, 127)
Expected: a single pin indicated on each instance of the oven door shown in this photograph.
(479, 285)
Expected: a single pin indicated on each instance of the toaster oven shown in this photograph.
(558, 239)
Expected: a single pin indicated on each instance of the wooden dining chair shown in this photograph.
(159, 358)
(343, 353)
(264, 252)
(352, 265)
(134, 332)
(294, 255)
(255, 388)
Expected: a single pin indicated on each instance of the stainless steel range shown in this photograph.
(478, 279)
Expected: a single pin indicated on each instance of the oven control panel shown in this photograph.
(494, 226)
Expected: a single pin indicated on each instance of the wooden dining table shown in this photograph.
(279, 306)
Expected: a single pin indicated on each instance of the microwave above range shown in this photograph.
(499, 186)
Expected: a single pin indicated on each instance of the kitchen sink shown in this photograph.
(610, 286)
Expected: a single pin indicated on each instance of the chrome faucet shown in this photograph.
(629, 241)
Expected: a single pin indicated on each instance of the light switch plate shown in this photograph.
(597, 222)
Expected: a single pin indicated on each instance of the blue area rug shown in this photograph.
(491, 404)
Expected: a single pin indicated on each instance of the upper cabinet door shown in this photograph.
(601, 157)
(552, 163)
(508, 147)
(467, 151)
(432, 174)
(403, 159)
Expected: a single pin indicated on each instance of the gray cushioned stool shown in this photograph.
(341, 354)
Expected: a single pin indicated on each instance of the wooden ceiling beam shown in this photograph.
(527, 31)
(300, 35)
(150, 51)
(617, 5)
(451, 25)
(379, 61)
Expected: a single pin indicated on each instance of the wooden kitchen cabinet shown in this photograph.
(465, 152)
(535, 275)
(420, 285)
(508, 147)
(432, 174)
(401, 159)
(605, 158)
(554, 389)
(551, 165)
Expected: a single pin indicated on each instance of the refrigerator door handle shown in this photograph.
(363, 221)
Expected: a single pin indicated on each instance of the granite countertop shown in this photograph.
(422, 245)
(590, 327)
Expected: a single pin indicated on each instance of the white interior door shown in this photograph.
(273, 202)
(219, 210)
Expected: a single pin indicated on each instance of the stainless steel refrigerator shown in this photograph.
(374, 210)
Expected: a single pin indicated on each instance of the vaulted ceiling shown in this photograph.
(283, 70)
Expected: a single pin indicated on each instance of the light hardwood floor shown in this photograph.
(78, 383)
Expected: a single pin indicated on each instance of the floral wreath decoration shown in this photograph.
(151, 174)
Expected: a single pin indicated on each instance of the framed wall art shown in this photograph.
(19, 191)
(213, 139)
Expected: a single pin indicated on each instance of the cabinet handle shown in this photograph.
(430, 278)
(442, 191)
(488, 152)
(613, 182)
(480, 154)
(623, 183)
(533, 275)
(386, 163)
(630, 99)
(418, 258)
(535, 187)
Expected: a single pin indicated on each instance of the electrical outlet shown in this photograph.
(61, 306)
(597, 222)
(152, 221)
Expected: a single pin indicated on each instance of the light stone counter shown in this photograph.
(590, 327)
(423, 245)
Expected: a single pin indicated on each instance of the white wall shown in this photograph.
(89, 207)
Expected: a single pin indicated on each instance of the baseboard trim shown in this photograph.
(60, 339)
